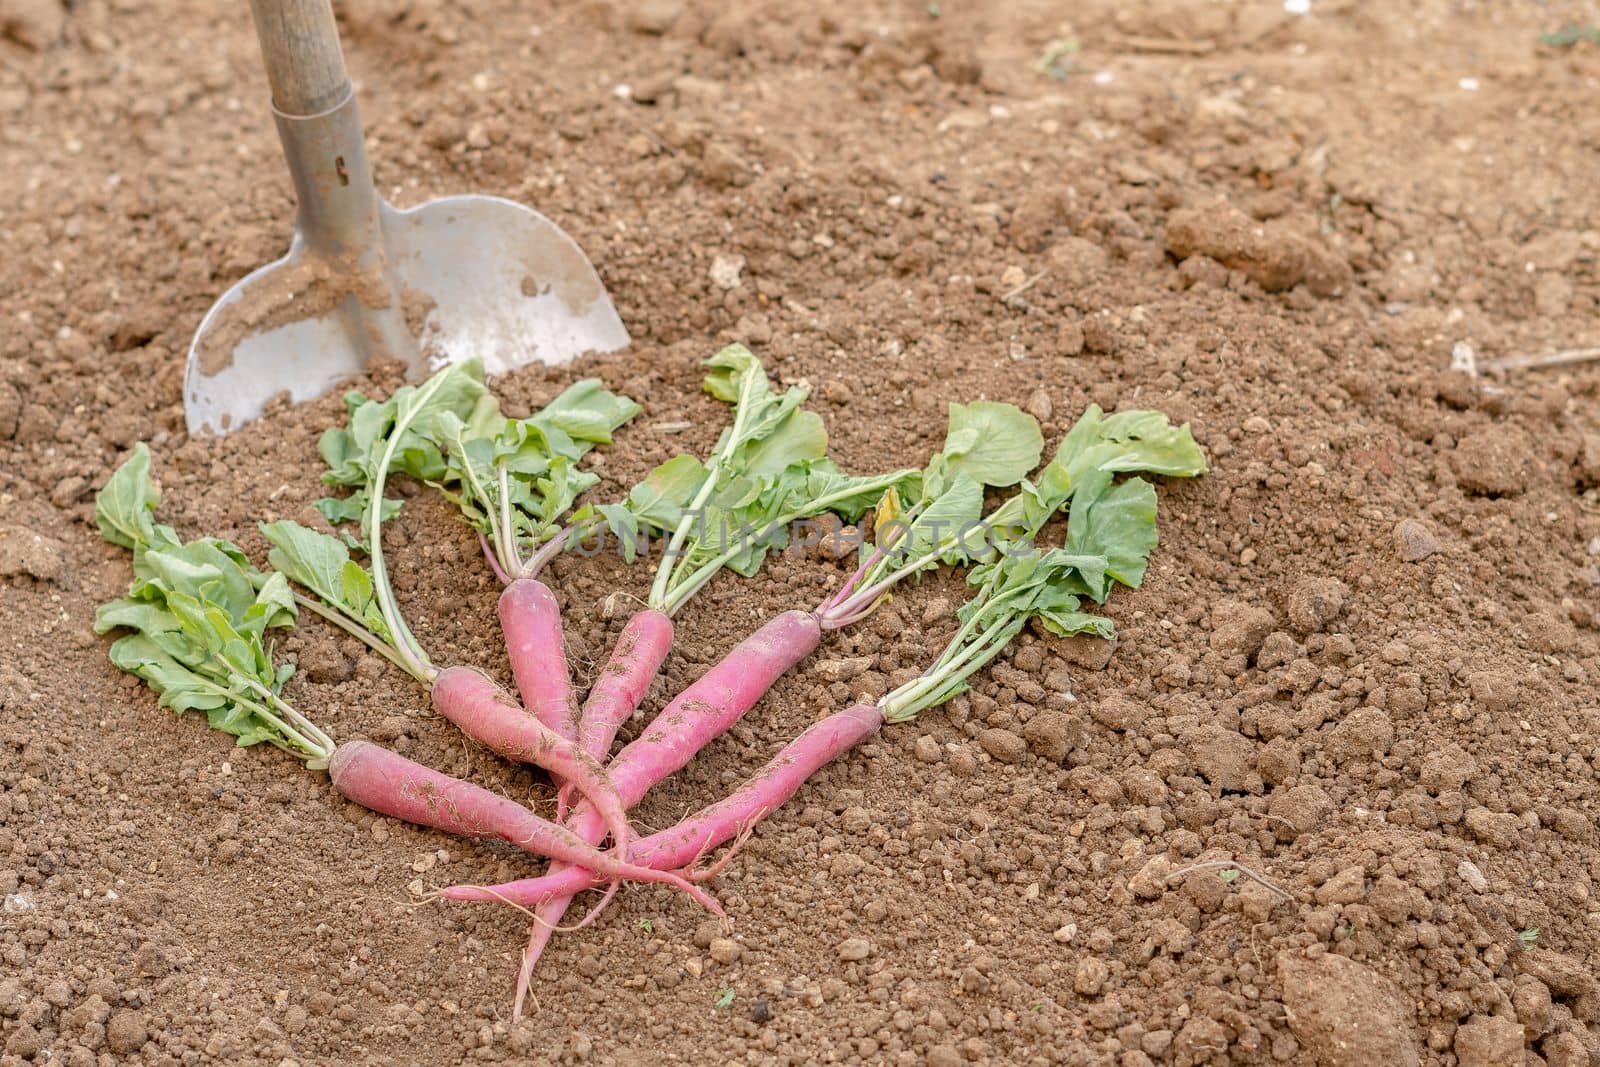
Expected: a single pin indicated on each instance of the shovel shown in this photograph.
(454, 278)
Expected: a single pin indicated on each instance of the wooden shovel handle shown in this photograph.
(300, 46)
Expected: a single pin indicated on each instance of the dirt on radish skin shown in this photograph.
(390, 784)
(696, 837)
(635, 660)
(530, 618)
(703, 711)
(1341, 421)
(489, 715)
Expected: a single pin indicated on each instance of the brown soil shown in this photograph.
(1363, 663)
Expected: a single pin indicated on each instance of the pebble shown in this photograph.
(726, 950)
(1091, 976)
(1489, 1041)
(1052, 734)
(1275, 261)
(1495, 462)
(1118, 713)
(1325, 994)
(1225, 758)
(24, 552)
(843, 670)
(926, 749)
(68, 490)
(726, 271)
(1090, 653)
(854, 948)
(1151, 880)
(1414, 541)
(10, 410)
(34, 24)
(1040, 406)
(1003, 745)
(1468, 872)
(126, 1032)
(1238, 628)
(708, 931)
(1346, 887)
(654, 17)
(1315, 602)
(1364, 733)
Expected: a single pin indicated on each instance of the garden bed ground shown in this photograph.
(1363, 664)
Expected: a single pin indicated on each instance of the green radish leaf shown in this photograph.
(1127, 441)
(347, 509)
(938, 525)
(658, 502)
(538, 455)
(124, 508)
(148, 616)
(768, 470)
(206, 569)
(1068, 623)
(355, 591)
(354, 452)
(1111, 531)
(198, 612)
(323, 565)
(1142, 441)
(1117, 522)
(797, 437)
(621, 522)
(178, 687)
(994, 444)
(275, 601)
(586, 412)
(820, 485)
(769, 432)
(736, 376)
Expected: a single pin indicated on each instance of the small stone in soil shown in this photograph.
(1414, 541)
(854, 948)
(24, 552)
(1003, 745)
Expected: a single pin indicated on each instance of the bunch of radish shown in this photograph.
(200, 611)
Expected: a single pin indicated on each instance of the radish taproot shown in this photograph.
(679, 846)
(994, 445)
(1018, 584)
(388, 783)
(400, 435)
(636, 658)
(768, 470)
(199, 612)
(485, 712)
(530, 619)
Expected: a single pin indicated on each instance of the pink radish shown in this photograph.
(531, 619)
(700, 713)
(388, 783)
(485, 712)
(680, 845)
(640, 650)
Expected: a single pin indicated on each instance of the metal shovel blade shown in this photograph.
(454, 278)
(462, 276)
